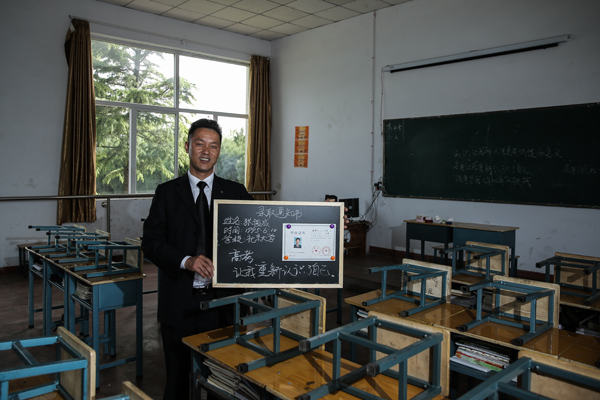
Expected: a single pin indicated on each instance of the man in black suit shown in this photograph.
(171, 242)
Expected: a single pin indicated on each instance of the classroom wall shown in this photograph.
(329, 79)
(325, 79)
(33, 81)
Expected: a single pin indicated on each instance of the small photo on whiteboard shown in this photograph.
(309, 242)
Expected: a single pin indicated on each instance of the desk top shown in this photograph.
(468, 225)
(26, 245)
(68, 267)
(298, 375)
(393, 307)
(557, 343)
(576, 301)
(101, 280)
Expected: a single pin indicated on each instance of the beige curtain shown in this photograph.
(78, 160)
(258, 170)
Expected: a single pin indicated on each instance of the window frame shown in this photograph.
(135, 108)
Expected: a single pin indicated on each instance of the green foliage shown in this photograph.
(232, 161)
(128, 74)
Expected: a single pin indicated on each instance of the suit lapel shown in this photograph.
(185, 192)
(217, 191)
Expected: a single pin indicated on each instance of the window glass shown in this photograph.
(133, 75)
(213, 85)
(155, 150)
(112, 150)
(137, 84)
(232, 161)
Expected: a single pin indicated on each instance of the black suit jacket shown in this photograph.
(170, 233)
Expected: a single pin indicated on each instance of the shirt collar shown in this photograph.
(194, 181)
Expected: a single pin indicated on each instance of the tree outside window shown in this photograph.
(141, 133)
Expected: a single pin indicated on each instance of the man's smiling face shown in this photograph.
(204, 149)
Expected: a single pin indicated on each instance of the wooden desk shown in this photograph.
(576, 301)
(493, 234)
(459, 233)
(291, 378)
(108, 294)
(557, 343)
(393, 307)
(428, 232)
(576, 287)
(357, 245)
(585, 351)
(553, 386)
(39, 267)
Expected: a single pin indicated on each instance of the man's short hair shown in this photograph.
(205, 123)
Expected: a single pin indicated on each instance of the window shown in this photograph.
(144, 109)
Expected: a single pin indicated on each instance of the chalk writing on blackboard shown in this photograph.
(278, 212)
(262, 270)
(501, 166)
(546, 156)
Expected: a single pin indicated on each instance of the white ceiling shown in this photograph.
(263, 19)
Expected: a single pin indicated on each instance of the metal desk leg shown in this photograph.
(47, 301)
(96, 329)
(340, 302)
(70, 286)
(30, 295)
(139, 331)
(354, 318)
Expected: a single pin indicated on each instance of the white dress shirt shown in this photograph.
(199, 281)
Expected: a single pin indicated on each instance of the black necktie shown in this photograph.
(204, 245)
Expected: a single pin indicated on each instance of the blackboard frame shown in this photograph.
(237, 222)
(536, 156)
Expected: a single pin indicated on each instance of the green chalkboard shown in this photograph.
(547, 156)
(278, 244)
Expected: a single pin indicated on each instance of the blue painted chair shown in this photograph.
(73, 369)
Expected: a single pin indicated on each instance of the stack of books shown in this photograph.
(362, 314)
(230, 382)
(479, 357)
(83, 291)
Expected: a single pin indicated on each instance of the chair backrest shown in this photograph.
(556, 388)
(103, 233)
(495, 261)
(134, 392)
(434, 285)
(135, 257)
(301, 323)
(71, 380)
(419, 366)
(508, 300)
(574, 275)
(80, 227)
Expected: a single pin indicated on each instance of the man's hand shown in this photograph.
(200, 264)
(346, 220)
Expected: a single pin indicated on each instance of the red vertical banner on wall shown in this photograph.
(301, 147)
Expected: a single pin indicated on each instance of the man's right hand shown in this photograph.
(200, 264)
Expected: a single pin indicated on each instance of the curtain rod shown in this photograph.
(159, 35)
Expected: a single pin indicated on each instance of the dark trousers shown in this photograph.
(178, 360)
